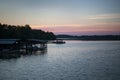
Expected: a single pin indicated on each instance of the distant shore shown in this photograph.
(90, 37)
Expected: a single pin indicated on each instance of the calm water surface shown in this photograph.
(75, 60)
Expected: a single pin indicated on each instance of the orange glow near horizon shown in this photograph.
(79, 28)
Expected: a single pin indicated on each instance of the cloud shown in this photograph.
(105, 16)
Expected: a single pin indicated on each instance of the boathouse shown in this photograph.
(26, 44)
(35, 44)
(9, 44)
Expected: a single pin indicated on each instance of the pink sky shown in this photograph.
(102, 24)
(97, 29)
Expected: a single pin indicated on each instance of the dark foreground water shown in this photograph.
(75, 60)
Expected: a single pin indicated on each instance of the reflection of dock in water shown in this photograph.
(34, 52)
(18, 54)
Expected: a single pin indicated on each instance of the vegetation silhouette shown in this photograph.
(24, 32)
(89, 37)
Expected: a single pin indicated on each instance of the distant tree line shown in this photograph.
(89, 37)
(24, 32)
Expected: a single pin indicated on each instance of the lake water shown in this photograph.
(75, 60)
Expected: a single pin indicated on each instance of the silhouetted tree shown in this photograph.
(24, 32)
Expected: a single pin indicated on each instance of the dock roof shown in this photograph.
(12, 41)
(8, 41)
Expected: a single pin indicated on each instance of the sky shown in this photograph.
(74, 17)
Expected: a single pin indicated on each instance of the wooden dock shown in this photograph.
(34, 44)
(14, 48)
(17, 44)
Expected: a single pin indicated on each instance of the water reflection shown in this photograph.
(38, 52)
(75, 60)
(18, 54)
